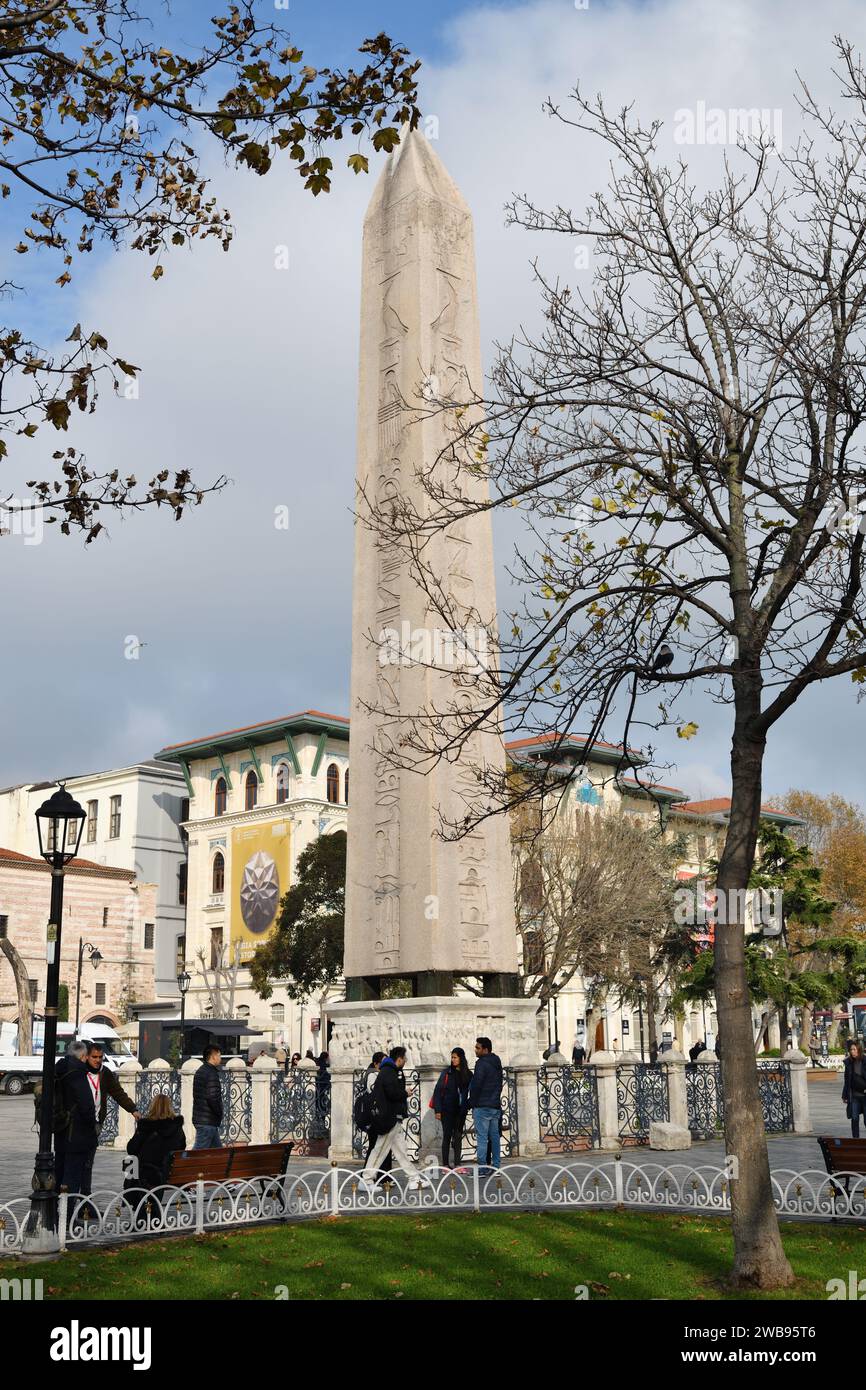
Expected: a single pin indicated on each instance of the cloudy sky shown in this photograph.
(251, 371)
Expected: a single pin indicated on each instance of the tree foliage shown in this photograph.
(101, 128)
(305, 949)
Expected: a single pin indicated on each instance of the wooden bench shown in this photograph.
(846, 1157)
(245, 1163)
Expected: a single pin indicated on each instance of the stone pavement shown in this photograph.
(18, 1142)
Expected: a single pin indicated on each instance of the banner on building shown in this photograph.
(260, 876)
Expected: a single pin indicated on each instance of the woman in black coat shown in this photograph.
(156, 1138)
(854, 1087)
(451, 1102)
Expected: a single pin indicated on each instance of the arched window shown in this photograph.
(219, 874)
(243, 1011)
(333, 783)
(282, 783)
(219, 798)
(278, 1013)
(346, 785)
(251, 790)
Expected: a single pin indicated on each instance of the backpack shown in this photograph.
(362, 1110)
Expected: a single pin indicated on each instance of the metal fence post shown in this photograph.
(335, 1189)
(199, 1207)
(619, 1187)
(476, 1189)
(62, 1205)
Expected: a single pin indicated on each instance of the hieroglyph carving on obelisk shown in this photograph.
(416, 902)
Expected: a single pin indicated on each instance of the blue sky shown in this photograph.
(253, 373)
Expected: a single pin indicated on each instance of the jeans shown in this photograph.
(207, 1137)
(487, 1131)
(452, 1134)
(858, 1108)
(78, 1172)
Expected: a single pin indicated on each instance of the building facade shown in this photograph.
(134, 817)
(104, 907)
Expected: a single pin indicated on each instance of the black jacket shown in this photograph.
(485, 1093)
(390, 1102)
(207, 1096)
(83, 1124)
(450, 1096)
(153, 1143)
(848, 1074)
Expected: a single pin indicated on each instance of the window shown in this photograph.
(251, 791)
(179, 955)
(533, 953)
(105, 916)
(148, 936)
(243, 1011)
(99, 995)
(33, 986)
(278, 1013)
(181, 885)
(4, 927)
(220, 796)
(218, 882)
(333, 783)
(216, 947)
(346, 786)
(282, 783)
(114, 819)
(92, 812)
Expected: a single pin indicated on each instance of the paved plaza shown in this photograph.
(798, 1153)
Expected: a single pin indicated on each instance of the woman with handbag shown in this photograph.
(450, 1102)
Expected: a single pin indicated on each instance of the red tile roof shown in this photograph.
(263, 724)
(563, 738)
(12, 856)
(718, 804)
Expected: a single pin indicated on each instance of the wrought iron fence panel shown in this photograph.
(777, 1102)
(641, 1097)
(111, 1124)
(237, 1120)
(411, 1126)
(150, 1084)
(301, 1110)
(705, 1104)
(568, 1107)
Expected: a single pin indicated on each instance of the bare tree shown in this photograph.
(22, 989)
(682, 440)
(220, 980)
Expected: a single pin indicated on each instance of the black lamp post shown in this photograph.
(95, 959)
(59, 823)
(183, 983)
(638, 980)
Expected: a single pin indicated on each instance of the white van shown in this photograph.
(18, 1073)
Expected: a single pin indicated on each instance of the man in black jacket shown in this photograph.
(207, 1100)
(485, 1099)
(390, 1109)
(87, 1086)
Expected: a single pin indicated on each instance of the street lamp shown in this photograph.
(183, 983)
(95, 960)
(638, 980)
(59, 824)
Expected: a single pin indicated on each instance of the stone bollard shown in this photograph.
(799, 1090)
(187, 1072)
(261, 1071)
(674, 1064)
(340, 1147)
(531, 1144)
(128, 1078)
(605, 1064)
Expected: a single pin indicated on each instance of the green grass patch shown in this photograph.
(497, 1255)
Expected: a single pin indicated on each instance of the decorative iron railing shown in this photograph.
(301, 1110)
(705, 1100)
(237, 1093)
(568, 1108)
(110, 1217)
(111, 1123)
(642, 1096)
(150, 1084)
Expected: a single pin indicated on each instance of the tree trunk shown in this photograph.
(759, 1259)
(25, 1007)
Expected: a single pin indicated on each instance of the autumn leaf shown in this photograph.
(687, 730)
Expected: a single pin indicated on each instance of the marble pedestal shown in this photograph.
(429, 1028)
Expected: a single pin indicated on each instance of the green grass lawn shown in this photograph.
(521, 1255)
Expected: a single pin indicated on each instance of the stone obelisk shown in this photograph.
(419, 907)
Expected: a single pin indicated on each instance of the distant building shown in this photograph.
(107, 907)
(133, 822)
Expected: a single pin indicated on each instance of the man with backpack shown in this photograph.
(390, 1107)
(362, 1110)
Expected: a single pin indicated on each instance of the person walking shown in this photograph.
(854, 1087)
(87, 1087)
(363, 1110)
(450, 1103)
(156, 1138)
(485, 1100)
(207, 1100)
(390, 1108)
